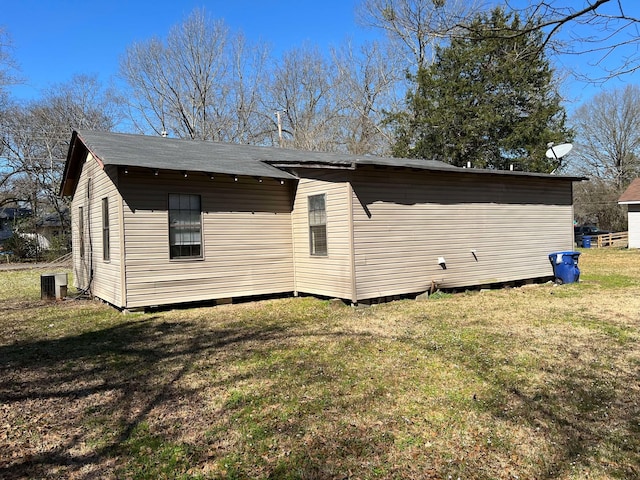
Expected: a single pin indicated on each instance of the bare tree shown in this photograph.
(8, 76)
(247, 78)
(608, 137)
(36, 137)
(596, 202)
(174, 85)
(605, 31)
(205, 83)
(8, 67)
(417, 26)
(608, 153)
(368, 86)
(201, 83)
(302, 91)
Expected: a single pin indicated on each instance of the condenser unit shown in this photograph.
(53, 286)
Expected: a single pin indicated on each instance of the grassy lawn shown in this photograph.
(536, 382)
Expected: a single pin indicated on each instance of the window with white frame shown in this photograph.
(185, 226)
(106, 248)
(317, 225)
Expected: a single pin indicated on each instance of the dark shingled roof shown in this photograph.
(131, 150)
(231, 158)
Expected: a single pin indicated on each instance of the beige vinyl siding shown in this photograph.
(92, 272)
(329, 275)
(246, 238)
(404, 222)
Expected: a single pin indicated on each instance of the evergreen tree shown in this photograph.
(488, 99)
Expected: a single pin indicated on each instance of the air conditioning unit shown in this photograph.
(53, 286)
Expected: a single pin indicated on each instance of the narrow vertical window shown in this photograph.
(185, 226)
(106, 250)
(317, 225)
(81, 230)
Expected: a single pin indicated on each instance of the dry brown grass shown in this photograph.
(534, 382)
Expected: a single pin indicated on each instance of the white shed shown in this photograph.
(631, 198)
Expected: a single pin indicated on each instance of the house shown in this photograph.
(160, 221)
(51, 226)
(631, 198)
(9, 216)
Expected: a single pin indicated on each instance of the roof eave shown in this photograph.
(431, 168)
(67, 185)
(313, 165)
(517, 173)
(274, 174)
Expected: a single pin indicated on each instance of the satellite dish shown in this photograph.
(558, 151)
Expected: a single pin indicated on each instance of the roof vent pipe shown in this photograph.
(163, 133)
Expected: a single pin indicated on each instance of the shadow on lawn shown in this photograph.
(78, 405)
(587, 411)
(53, 387)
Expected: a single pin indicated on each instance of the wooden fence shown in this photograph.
(618, 239)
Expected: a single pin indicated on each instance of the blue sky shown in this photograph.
(55, 39)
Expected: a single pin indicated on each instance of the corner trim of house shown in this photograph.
(294, 258)
(123, 256)
(352, 256)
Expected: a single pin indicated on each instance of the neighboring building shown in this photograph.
(159, 221)
(631, 198)
(8, 218)
(52, 225)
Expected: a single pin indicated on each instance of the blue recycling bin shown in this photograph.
(565, 266)
(586, 241)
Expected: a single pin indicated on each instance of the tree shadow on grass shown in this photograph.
(102, 403)
(271, 402)
(50, 390)
(586, 411)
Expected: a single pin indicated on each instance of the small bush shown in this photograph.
(21, 247)
(59, 247)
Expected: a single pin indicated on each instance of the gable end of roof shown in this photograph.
(632, 194)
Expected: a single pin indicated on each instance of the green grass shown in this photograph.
(533, 382)
(153, 457)
(612, 268)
